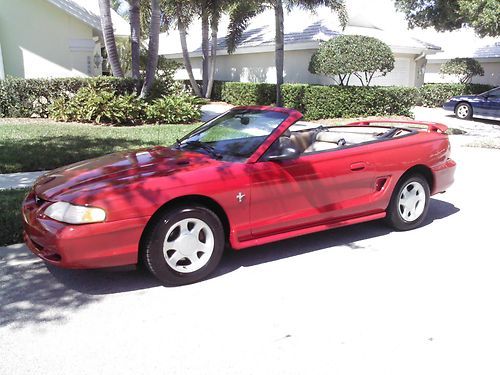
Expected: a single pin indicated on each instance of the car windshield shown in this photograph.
(236, 135)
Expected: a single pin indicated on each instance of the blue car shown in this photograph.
(485, 105)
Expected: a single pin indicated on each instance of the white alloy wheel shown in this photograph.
(188, 245)
(411, 203)
(463, 111)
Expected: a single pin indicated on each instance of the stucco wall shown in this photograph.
(491, 74)
(40, 40)
(259, 67)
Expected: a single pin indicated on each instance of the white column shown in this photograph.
(2, 71)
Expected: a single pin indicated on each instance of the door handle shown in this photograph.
(358, 166)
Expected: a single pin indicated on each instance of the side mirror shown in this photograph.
(287, 153)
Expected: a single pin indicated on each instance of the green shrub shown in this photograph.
(248, 93)
(339, 101)
(98, 106)
(180, 109)
(436, 94)
(293, 95)
(463, 67)
(347, 55)
(32, 97)
(101, 106)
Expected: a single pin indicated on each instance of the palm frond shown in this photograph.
(239, 16)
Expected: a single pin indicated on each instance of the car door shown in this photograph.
(310, 190)
(489, 105)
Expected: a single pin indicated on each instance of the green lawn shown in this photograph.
(41, 146)
(11, 228)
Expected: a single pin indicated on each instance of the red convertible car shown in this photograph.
(248, 177)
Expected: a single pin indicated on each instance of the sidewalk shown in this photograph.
(18, 180)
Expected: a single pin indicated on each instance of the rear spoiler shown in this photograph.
(431, 126)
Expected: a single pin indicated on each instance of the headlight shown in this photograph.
(71, 214)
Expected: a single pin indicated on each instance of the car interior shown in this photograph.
(322, 138)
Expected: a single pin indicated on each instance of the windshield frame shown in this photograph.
(290, 119)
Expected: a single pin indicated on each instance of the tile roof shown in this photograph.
(301, 27)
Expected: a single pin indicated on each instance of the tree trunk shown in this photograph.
(185, 57)
(154, 41)
(205, 48)
(109, 38)
(279, 51)
(135, 32)
(213, 57)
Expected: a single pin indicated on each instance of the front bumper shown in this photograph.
(97, 245)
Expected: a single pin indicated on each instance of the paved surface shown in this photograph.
(356, 300)
(475, 127)
(18, 180)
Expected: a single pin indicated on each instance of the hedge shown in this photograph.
(436, 94)
(248, 93)
(32, 97)
(317, 102)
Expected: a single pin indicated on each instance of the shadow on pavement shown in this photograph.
(345, 236)
(32, 292)
(475, 119)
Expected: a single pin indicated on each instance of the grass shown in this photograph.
(26, 147)
(11, 227)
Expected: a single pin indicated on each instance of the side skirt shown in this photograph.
(237, 245)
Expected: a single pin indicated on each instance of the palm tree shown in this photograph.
(135, 32)
(246, 10)
(183, 13)
(109, 38)
(154, 42)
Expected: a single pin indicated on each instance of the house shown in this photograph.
(253, 60)
(52, 38)
(488, 56)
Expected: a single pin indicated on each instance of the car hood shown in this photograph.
(118, 169)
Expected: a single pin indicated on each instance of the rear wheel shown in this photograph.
(409, 203)
(184, 245)
(463, 111)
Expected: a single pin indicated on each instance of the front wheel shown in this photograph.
(463, 111)
(184, 245)
(409, 203)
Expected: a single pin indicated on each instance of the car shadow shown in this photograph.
(475, 119)
(345, 236)
(33, 292)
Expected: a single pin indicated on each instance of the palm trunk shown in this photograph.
(187, 60)
(213, 57)
(135, 32)
(109, 38)
(205, 49)
(279, 51)
(154, 41)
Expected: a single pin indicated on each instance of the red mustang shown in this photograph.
(248, 177)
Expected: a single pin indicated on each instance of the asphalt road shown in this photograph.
(356, 300)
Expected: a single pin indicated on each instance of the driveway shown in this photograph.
(356, 300)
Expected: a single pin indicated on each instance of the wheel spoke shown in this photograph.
(176, 257)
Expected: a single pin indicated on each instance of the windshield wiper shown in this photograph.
(206, 147)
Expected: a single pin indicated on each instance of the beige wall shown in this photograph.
(259, 67)
(40, 40)
(491, 74)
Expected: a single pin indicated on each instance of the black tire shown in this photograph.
(395, 217)
(152, 251)
(463, 111)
